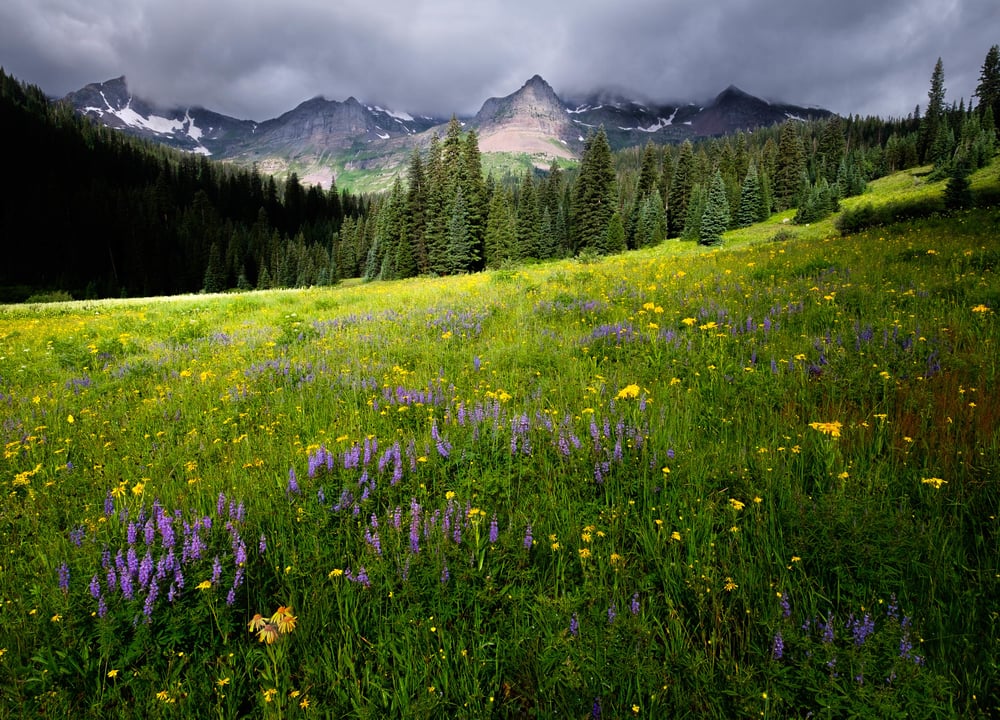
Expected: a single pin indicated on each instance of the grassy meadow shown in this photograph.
(759, 480)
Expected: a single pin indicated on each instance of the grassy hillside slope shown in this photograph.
(682, 482)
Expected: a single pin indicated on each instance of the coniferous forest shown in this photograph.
(93, 213)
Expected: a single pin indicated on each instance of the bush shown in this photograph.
(50, 297)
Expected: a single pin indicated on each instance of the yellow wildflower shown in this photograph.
(269, 694)
(629, 391)
(584, 553)
(828, 428)
(936, 482)
(112, 673)
(689, 321)
(204, 585)
(736, 504)
(675, 536)
(730, 585)
(980, 308)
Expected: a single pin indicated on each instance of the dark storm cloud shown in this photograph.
(258, 59)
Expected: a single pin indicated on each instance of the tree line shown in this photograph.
(97, 213)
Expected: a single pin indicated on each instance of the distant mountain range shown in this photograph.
(322, 139)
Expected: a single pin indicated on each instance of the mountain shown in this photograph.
(532, 120)
(193, 129)
(322, 139)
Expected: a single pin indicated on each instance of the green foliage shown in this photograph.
(715, 219)
(593, 194)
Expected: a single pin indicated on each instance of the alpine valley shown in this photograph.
(364, 146)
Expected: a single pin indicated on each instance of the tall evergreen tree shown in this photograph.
(988, 89)
(680, 190)
(461, 251)
(695, 212)
(500, 240)
(715, 219)
(594, 193)
(930, 128)
(529, 221)
(750, 204)
(791, 163)
(415, 219)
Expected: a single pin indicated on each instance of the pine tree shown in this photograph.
(832, 146)
(474, 191)
(680, 191)
(500, 229)
(715, 220)
(415, 218)
(988, 89)
(930, 128)
(958, 191)
(614, 241)
(695, 211)
(529, 226)
(791, 164)
(594, 193)
(652, 226)
(749, 209)
(215, 278)
(461, 253)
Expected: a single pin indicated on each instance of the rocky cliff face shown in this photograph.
(531, 120)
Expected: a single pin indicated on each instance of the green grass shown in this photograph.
(712, 449)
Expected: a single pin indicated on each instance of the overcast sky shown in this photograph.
(255, 59)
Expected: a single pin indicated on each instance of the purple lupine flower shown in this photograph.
(149, 532)
(786, 608)
(494, 531)
(230, 597)
(528, 540)
(166, 526)
(240, 553)
(133, 562)
(574, 626)
(102, 607)
(132, 533)
(397, 517)
(238, 578)
(861, 629)
(125, 582)
(64, 577)
(109, 505)
(595, 711)
(220, 505)
(777, 647)
(893, 610)
(445, 575)
(293, 483)
(476, 363)
(262, 544)
(147, 607)
(634, 605)
(321, 496)
(828, 631)
(216, 570)
(612, 614)
(112, 579)
(95, 587)
(146, 568)
(414, 526)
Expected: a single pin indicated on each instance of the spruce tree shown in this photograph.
(695, 210)
(715, 219)
(500, 229)
(528, 220)
(988, 89)
(461, 252)
(614, 241)
(930, 127)
(791, 163)
(958, 191)
(680, 189)
(415, 217)
(749, 209)
(594, 193)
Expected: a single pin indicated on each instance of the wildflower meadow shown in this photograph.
(756, 480)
